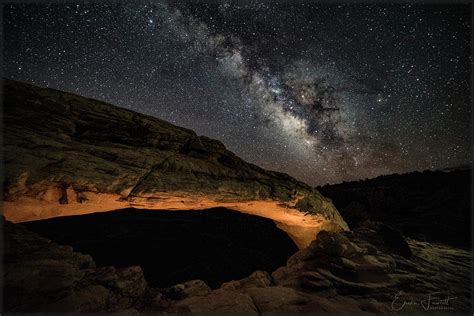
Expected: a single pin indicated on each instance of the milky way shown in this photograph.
(326, 93)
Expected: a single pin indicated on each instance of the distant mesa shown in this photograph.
(434, 206)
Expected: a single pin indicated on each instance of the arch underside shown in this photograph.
(301, 228)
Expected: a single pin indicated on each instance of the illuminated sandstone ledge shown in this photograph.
(302, 228)
(96, 157)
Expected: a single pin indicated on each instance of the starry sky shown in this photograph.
(324, 92)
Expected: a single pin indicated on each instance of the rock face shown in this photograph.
(365, 270)
(41, 276)
(66, 155)
(431, 206)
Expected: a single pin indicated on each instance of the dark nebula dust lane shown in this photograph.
(324, 92)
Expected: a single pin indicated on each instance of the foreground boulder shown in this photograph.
(371, 269)
(340, 272)
(69, 155)
(41, 276)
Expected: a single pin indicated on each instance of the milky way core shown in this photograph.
(326, 93)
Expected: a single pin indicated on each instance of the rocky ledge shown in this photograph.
(372, 268)
(69, 155)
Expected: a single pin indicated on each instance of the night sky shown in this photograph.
(324, 92)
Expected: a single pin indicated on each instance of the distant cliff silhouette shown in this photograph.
(430, 205)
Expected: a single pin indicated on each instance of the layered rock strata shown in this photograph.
(69, 155)
(371, 269)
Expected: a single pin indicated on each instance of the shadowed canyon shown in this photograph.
(214, 245)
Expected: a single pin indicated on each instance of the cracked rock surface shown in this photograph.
(65, 149)
(366, 270)
(41, 276)
(362, 270)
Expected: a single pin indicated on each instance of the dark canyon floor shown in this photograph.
(371, 268)
(214, 245)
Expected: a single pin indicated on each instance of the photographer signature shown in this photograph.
(431, 301)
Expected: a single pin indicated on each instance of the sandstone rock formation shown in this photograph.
(359, 271)
(41, 276)
(65, 154)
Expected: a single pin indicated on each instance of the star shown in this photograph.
(282, 86)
